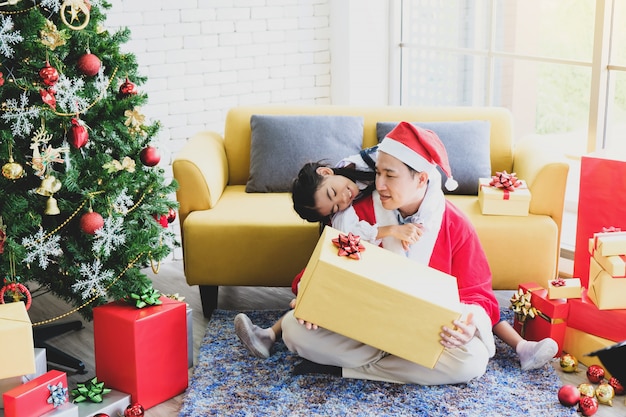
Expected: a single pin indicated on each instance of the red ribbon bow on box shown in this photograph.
(560, 282)
(611, 229)
(505, 181)
(349, 245)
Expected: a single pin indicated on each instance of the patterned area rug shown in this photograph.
(228, 381)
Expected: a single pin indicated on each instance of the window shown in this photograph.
(560, 67)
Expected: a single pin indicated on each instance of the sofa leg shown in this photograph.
(208, 297)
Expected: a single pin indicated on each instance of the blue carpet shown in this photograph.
(228, 381)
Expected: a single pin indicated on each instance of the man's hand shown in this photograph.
(460, 335)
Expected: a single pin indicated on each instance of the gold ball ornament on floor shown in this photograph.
(568, 363)
(605, 394)
(586, 390)
(12, 170)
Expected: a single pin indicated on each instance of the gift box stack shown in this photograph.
(503, 194)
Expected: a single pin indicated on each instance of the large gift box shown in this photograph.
(142, 352)
(600, 204)
(606, 291)
(580, 344)
(500, 201)
(585, 316)
(548, 318)
(36, 397)
(16, 341)
(608, 243)
(375, 299)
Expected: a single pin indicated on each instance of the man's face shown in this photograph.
(398, 186)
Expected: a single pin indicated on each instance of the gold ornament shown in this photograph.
(52, 208)
(12, 170)
(115, 165)
(134, 120)
(78, 12)
(51, 37)
(49, 185)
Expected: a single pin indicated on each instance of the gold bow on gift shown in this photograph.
(523, 309)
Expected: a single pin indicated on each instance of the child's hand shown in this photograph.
(409, 234)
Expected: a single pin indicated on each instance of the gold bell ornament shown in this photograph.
(50, 185)
(12, 170)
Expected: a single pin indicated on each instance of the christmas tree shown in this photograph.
(83, 204)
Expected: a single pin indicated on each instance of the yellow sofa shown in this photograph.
(234, 238)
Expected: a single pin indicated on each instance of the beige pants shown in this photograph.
(361, 361)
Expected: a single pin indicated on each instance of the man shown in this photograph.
(407, 157)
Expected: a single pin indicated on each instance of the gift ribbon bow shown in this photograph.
(506, 182)
(611, 229)
(147, 296)
(91, 390)
(58, 394)
(522, 307)
(560, 282)
(349, 245)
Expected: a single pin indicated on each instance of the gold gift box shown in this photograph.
(606, 292)
(615, 265)
(579, 344)
(494, 200)
(571, 289)
(609, 243)
(17, 351)
(384, 300)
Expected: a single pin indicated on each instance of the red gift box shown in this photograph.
(585, 316)
(31, 398)
(551, 319)
(599, 206)
(142, 352)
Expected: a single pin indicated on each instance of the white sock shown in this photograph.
(533, 355)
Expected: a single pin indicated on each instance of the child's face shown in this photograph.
(336, 193)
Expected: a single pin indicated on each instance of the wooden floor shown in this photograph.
(170, 280)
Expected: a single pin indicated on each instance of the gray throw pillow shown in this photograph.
(281, 145)
(468, 147)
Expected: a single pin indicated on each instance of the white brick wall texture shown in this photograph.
(202, 57)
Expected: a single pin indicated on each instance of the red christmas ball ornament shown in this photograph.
(134, 410)
(588, 406)
(161, 219)
(617, 386)
(49, 75)
(90, 222)
(127, 88)
(171, 215)
(569, 395)
(78, 133)
(89, 64)
(150, 156)
(595, 374)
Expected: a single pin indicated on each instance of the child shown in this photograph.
(319, 192)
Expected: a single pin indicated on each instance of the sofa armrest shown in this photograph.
(201, 169)
(545, 171)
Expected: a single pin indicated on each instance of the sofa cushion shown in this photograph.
(468, 146)
(281, 145)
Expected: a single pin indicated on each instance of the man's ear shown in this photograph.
(324, 171)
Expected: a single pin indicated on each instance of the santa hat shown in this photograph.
(419, 148)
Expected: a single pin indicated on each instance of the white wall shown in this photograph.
(202, 57)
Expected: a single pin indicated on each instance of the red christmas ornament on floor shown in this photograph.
(127, 88)
(595, 374)
(134, 410)
(90, 222)
(617, 386)
(49, 75)
(78, 133)
(150, 156)
(569, 395)
(89, 64)
(588, 406)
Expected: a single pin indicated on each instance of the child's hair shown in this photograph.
(309, 181)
